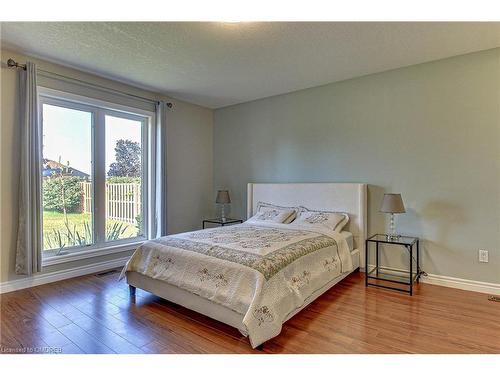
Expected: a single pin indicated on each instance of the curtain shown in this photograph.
(29, 236)
(160, 188)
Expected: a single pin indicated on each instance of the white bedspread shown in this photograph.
(262, 271)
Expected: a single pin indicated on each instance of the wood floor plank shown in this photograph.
(57, 339)
(134, 332)
(95, 314)
(85, 341)
(113, 340)
(109, 337)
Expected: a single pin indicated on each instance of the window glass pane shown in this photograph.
(67, 179)
(124, 185)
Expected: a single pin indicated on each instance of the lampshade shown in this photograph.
(223, 197)
(392, 203)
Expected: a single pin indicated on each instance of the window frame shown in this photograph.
(144, 170)
(99, 109)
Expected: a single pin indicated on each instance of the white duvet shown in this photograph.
(261, 271)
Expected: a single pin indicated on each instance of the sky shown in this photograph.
(67, 134)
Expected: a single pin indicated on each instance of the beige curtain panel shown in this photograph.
(29, 236)
(160, 192)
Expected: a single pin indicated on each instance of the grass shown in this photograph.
(54, 221)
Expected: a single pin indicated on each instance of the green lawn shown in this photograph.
(53, 222)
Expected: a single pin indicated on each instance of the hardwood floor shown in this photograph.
(94, 314)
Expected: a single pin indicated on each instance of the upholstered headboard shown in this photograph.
(342, 197)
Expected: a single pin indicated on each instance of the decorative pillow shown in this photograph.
(331, 220)
(272, 215)
(262, 205)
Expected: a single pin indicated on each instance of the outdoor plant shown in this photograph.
(115, 231)
(62, 193)
(75, 238)
(138, 223)
(54, 240)
(71, 236)
(123, 180)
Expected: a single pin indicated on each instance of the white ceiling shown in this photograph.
(219, 64)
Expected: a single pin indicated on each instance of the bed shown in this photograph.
(255, 277)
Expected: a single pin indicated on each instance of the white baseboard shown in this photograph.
(50, 277)
(454, 282)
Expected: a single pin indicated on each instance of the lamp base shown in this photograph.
(223, 214)
(393, 237)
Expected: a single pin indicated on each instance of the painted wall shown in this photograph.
(429, 131)
(189, 161)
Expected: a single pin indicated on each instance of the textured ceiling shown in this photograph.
(219, 64)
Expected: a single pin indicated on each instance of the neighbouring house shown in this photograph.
(51, 167)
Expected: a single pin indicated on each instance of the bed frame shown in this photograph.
(343, 197)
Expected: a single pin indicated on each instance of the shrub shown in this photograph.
(53, 194)
(123, 180)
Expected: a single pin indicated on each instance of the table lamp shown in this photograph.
(392, 204)
(223, 199)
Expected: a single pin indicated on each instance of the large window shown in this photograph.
(95, 174)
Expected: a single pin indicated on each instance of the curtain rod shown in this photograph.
(14, 64)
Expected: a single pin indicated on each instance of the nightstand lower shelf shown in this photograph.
(385, 275)
(399, 277)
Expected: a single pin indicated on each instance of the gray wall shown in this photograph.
(429, 131)
(189, 164)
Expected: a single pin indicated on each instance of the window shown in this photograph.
(95, 171)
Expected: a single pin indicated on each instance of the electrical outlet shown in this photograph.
(483, 256)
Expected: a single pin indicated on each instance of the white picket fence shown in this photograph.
(123, 201)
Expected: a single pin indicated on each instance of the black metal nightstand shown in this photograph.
(398, 277)
(221, 222)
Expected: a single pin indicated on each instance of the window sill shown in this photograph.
(92, 253)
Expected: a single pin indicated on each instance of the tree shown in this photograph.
(62, 193)
(128, 159)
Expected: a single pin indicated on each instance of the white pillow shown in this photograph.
(292, 217)
(272, 215)
(324, 219)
